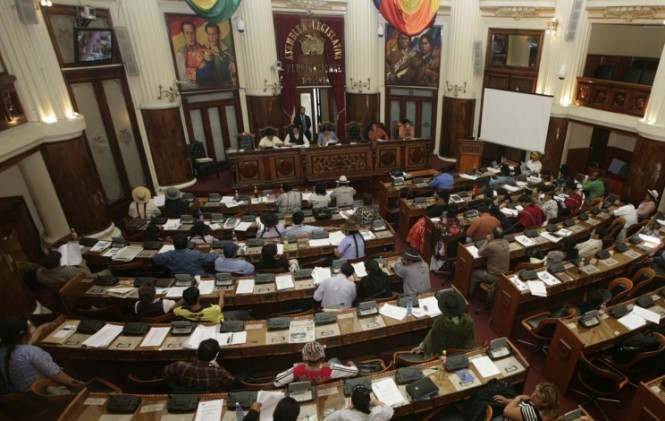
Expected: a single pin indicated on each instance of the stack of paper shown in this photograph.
(70, 254)
(395, 312)
(245, 286)
(485, 367)
(243, 226)
(550, 237)
(548, 278)
(201, 333)
(319, 274)
(386, 391)
(172, 224)
(537, 288)
(301, 331)
(155, 336)
(429, 305)
(521, 286)
(336, 237)
(101, 245)
(127, 254)
(103, 337)
(209, 410)
(524, 240)
(232, 338)
(359, 269)
(284, 281)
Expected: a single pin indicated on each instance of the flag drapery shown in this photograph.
(410, 17)
(214, 10)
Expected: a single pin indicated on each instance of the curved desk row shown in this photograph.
(329, 397)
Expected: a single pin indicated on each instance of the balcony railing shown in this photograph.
(609, 95)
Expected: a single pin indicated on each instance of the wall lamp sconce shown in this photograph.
(455, 89)
(171, 93)
(380, 31)
(552, 27)
(239, 23)
(275, 86)
(358, 85)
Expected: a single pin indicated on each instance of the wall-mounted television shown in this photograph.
(93, 45)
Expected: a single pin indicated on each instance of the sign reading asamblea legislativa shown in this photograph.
(310, 47)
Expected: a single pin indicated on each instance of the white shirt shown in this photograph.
(535, 167)
(337, 292)
(629, 213)
(266, 142)
(378, 413)
(305, 141)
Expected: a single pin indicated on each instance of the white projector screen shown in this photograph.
(515, 119)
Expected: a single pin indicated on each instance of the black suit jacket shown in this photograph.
(306, 126)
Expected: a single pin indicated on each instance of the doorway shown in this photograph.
(416, 105)
(319, 104)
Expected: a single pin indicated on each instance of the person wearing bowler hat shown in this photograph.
(142, 205)
(343, 193)
(414, 271)
(174, 205)
(314, 369)
(648, 206)
(452, 329)
(272, 228)
(353, 244)
(229, 262)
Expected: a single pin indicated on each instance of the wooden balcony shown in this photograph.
(613, 96)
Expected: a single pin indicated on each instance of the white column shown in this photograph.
(362, 46)
(464, 30)
(28, 54)
(653, 124)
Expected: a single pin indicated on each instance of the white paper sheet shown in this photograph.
(550, 237)
(175, 292)
(206, 287)
(284, 281)
(103, 337)
(172, 224)
(359, 269)
(127, 254)
(646, 314)
(101, 245)
(521, 286)
(268, 400)
(429, 305)
(245, 286)
(548, 278)
(524, 240)
(319, 274)
(201, 333)
(155, 336)
(319, 242)
(395, 312)
(386, 391)
(336, 237)
(301, 331)
(485, 366)
(474, 251)
(210, 410)
(563, 232)
(632, 321)
(159, 200)
(243, 226)
(232, 338)
(537, 288)
(70, 254)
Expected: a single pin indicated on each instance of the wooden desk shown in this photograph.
(266, 167)
(266, 299)
(465, 262)
(648, 403)
(511, 303)
(406, 155)
(330, 396)
(571, 339)
(328, 163)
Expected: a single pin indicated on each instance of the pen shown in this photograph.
(230, 339)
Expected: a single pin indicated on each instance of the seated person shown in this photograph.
(287, 409)
(366, 214)
(314, 369)
(343, 193)
(327, 137)
(182, 260)
(648, 206)
(452, 329)
(575, 200)
(200, 233)
(365, 407)
(405, 130)
(353, 244)
(229, 262)
(593, 186)
(272, 228)
(149, 305)
(502, 198)
(204, 374)
(23, 363)
(320, 197)
(270, 140)
(594, 244)
(533, 165)
(194, 311)
(376, 284)
(377, 133)
(502, 178)
(495, 211)
(290, 200)
(547, 203)
(568, 251)
(174, 205)
(440, 206)
(142, 206)
(339, 291)
(531, 216)
(627, 211)
(483, 225)
(54, 275)
(542, 405)
(269, 260)
(443, 181)
(497, 251)
(414, 273)
(562, 177)
(299, 229)
(296, 137)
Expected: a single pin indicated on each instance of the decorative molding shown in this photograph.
(630, 13)
(517, 12)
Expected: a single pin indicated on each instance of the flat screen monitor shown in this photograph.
(93, 45)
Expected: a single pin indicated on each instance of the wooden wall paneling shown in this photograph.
(19, 230)
(249, 171)
(18, 301)
(415, 156)
(166, 138)
(645, 169)
(264, 111)
(497, 81)
(456, 123)
(577, 160)
(386, 157)
(285, 166)
(613, 152)
(77, 184)
(556, 137)
(363, 108)
(523, 83)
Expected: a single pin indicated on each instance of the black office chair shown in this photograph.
(604, 71)
(202, 164)
(245, 141)
(353, 131)
(600, 380)
(541, 326)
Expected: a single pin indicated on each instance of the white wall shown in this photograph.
(627, 40)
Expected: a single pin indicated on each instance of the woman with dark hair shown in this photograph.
(200, 233)
(268, 260)
(287, 409)
(376, 284)
(149, 305)
(320, 197)
(365, 408)
(22, 363)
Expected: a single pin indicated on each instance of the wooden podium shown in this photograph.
(470, 154)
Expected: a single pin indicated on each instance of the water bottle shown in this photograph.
(234, 236)
(409, 306)
(200, 215)
(443, 358)
(239, 414)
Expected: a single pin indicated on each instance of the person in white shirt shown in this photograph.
(648, 206)
(534, 165)
(320, 197)
(594, 244)
(270, 140)
(626, 211)
(365, 408)
(339, 291)
(548, 204)
(142, 206)
(296, 137)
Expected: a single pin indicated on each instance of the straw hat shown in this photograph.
(342, 179)
(653, 194)
(349, 226)
(141, 194)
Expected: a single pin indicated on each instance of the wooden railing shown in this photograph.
(609, 95)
